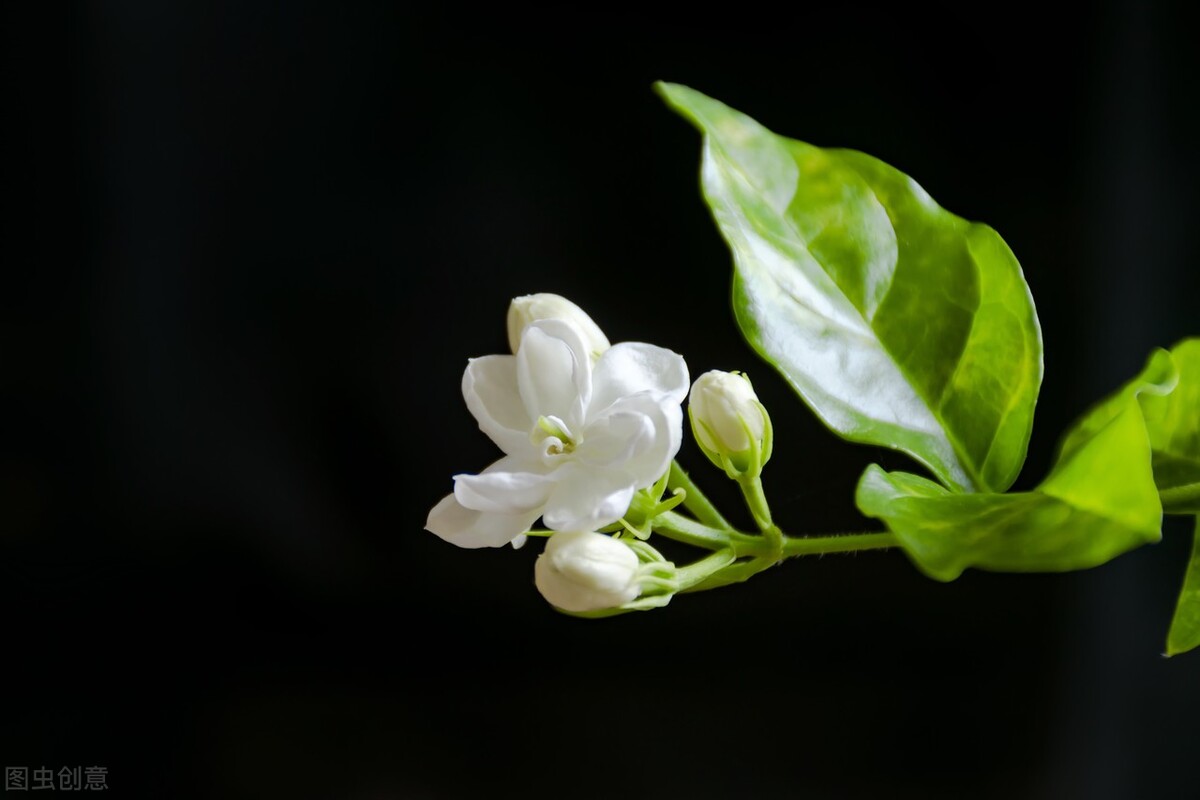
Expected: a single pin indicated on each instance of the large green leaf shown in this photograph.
(1173, 422)
(1185, 627)
(899, 323)
(1099, 500)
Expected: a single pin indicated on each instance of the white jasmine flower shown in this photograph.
(532, 307)
(586, 571)
(730, 424)
(579, 438)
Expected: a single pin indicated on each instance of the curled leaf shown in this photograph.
(1098, 501)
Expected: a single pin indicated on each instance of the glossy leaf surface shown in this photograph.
(899, 323)
(1173, 422)
(1099, 500)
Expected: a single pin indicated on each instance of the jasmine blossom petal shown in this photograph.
(501, 490)
(617, 438)
(648, 458)
(467, 528)
(632, 367)
(587, 498)
(554, 372)
(489, 386)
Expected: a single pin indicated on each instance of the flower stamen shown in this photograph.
(556, 432)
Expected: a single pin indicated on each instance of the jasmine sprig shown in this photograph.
(898, 323)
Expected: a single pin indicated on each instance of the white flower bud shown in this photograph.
(729, 423)
(586, 571)
(533, 307)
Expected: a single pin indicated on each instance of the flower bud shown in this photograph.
(532, 307)
(586, 571)
(730, 424)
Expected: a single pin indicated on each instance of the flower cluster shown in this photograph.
(584, 427)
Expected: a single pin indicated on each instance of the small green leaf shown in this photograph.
(1098, 501)
(1185, 627)
(1173, 422)
(899, 323)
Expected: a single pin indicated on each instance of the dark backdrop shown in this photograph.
(248, 251)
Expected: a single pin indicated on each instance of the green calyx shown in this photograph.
(740, 464)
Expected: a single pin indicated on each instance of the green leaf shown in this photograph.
(1098, 501)
(1173, 422)
(899, 323)
(1185, 626)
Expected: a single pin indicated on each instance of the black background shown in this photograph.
(248, 250)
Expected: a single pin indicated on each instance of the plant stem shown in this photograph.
(837, 543)
(689, 531)
(1186, 493)
(756, 500)
(694, 499)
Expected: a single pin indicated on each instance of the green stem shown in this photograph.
(1187, 493)
(837, 543)
(694, 499)
(688, 531)
(743, 570)
(756, 500)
